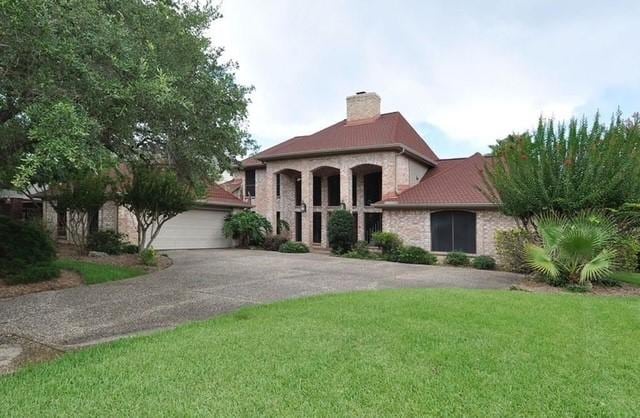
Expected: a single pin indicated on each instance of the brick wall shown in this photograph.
(414, 227)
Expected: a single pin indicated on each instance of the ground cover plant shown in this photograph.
(293, 247)
(391, 353)
(94, 273)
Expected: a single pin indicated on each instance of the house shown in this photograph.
(200, 227)
(379, 168)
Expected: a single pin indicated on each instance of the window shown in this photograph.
(354, 190)
(317, 227)
(317, 191)
(333, 182)
(298, 226)
(372, 224)
(278, 223)
(298, 192)
(277, 185)
(453, 231)
(250, 182)
(372, 188)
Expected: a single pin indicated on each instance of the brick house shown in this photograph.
(379, 168)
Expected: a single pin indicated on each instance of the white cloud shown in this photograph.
(474, 72)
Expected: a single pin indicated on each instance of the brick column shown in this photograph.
(307, 198)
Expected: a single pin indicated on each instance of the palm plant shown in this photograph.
(578, 248)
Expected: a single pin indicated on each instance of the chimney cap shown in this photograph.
(361, 92)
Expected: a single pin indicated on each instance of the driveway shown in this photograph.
(204, 283)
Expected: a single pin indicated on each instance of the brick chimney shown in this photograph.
(363, 106)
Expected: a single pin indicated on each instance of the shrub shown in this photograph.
(107, 241)
(34, 273)
(248, 227)
(577, 248)
(273, 242)
(484, 262)
(293, 247)
(626, 253)
(149, 257)
(130, 249)
(415, 255)
(388, 242)
(340, 231)
(457, 258)
(510, 248)
(23, 244)
(361, 250)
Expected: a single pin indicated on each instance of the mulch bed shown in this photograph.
(72, 279)
(531, 285)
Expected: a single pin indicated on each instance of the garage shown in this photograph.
(193, 229)
(201, 227)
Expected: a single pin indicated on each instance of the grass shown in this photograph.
(389, 353)
(627, 277)
(94, 273)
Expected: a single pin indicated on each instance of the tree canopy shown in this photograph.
(84, 83)
(566, 167)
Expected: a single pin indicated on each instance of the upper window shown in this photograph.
(250, 182)
(453, 231)
(277, 185)
(317, 191)
(333, 184)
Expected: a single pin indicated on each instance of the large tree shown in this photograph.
(84, 83)
(566, 167)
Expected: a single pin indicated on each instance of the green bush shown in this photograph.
(130, 249)
(484, 262)
(107, 241)
(627, 249)
(273, 242)
(248, 227)
(149, 257)
(415, 255)
(293, 247)
(22, 245)
(361, 250)
(33, 274)
(510, 248)
(388, 242)
(340, 231)
(457, 258)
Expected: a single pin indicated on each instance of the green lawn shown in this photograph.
(632, 278)
(93, 273)
(389, 353)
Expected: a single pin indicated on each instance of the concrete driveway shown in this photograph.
(204, 283)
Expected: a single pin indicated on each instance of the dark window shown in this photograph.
(250, 182)
(355, 226)
(372, 223)
(317, 191)
(277, 185)
(372, 188)
(453, 231)
(298, 226)
(278, 223)
(354, 190)
(62, 225)
(93, 220)
(333, 182)
(298, 191)
(317, 227)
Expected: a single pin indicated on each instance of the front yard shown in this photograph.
(400, 352)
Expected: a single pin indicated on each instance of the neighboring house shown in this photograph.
(379, 168)
(17, 205)
(200, 227)
(233, 186)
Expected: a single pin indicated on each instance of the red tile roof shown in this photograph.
(454, 182)
(217, 196)
(251, 163)
(388, 131)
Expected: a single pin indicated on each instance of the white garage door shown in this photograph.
(193, 229)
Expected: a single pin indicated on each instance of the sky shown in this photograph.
(464, 73)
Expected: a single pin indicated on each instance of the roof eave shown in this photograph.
(224, 204)
(395, 205)
(353, 150)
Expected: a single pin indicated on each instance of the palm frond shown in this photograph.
(598, 267)
(540, 260)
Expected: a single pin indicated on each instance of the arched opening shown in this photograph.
(453, 231)
(331, 177)
(366, 184)
(288, 207)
